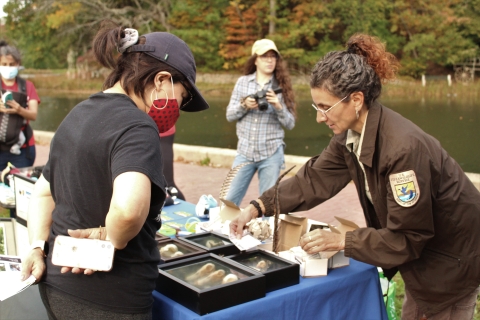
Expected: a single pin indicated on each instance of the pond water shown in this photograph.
(455, 123)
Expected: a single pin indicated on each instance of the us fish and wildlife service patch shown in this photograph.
(405, 188)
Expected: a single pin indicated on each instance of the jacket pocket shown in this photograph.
(448, 257)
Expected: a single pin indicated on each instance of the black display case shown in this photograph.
(173, 250)
(279, 273)
(212, 242)
(161, 237)
(208, 283)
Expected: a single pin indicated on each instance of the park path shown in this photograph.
(195, 180)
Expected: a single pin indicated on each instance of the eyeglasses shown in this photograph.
(266, 57)
(324, 112)
(184, 103)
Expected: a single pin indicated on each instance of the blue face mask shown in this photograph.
(8, 73)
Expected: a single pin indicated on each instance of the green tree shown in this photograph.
(422, 33)
(28, 30)
(197, 23)
(432, 30)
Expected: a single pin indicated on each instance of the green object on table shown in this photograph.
(167, 230)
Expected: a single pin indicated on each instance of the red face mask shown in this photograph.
(165, 113)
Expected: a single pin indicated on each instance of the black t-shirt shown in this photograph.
(101, 138)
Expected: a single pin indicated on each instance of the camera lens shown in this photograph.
(262, 104)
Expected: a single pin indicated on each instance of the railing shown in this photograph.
(447, 78)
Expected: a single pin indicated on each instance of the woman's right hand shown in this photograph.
(91, 233)
(250, 103)
(33, 264)
(238, 224)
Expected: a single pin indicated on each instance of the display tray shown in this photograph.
(160, 237)
(173, 250)
(212, 242)
(279, 273)
(208, 283)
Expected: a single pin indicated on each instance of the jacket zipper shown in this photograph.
(445, 255)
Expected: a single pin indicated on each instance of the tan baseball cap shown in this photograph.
(262, 46)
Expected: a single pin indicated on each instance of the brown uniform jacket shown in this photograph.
(432, 236)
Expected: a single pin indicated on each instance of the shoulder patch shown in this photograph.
(405, 188)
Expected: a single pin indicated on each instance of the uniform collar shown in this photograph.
(370, 135)
(355, 140)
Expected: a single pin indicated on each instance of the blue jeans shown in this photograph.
(20, 160)
(268, 172)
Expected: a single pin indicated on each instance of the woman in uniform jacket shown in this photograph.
(422, 211)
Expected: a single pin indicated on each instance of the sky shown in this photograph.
(2, 3)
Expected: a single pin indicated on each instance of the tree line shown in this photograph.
(423, 34)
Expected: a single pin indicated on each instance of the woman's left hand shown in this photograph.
(321, 240)
(273, 100)
(91, 233)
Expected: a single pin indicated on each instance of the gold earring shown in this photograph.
(356, 113)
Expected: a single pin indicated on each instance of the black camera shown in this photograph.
(261, 97)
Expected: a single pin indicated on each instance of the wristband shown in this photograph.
(257, 206)
(40, 244)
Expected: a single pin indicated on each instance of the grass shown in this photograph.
(400, 294)
(4, 213)
(205, 162)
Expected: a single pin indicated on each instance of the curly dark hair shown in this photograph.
(283, 77)
(363, 66)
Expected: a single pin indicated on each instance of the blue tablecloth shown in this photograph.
(351, 292)
(176, 215)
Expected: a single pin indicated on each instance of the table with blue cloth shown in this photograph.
(175, 216)
(351, 292)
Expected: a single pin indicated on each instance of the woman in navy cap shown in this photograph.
(104, 177)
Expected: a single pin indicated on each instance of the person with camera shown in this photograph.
(262, 102)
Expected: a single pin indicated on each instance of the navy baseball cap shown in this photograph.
(173, 51)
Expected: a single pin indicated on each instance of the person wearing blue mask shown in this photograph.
(17, 143)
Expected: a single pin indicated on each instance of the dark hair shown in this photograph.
(7, 50)
(283, 77)
(134, 70)
(363, 66)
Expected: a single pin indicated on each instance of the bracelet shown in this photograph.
(257, 206)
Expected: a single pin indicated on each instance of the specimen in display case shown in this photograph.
(208, 283)
(279, 272)
(212, 242)
(172, 250)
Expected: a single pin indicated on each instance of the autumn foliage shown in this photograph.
(421, 34)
